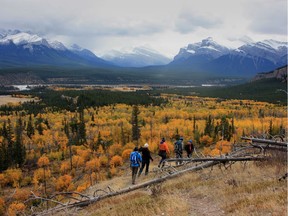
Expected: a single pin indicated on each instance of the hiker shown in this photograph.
(146, 157)
(178, 149)
(163, 151)
(135, 160)
(189, 148)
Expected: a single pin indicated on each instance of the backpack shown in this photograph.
(188, 147)
(178, 146)
(134, 158)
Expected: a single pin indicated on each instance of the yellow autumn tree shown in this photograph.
(126, 154)
(16, 208)
(13, 176)
(116, 161)
(2, 206)
(64, 183)
(206, 140)
(65, 167)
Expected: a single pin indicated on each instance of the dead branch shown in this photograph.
(68, 193)
(35, 197)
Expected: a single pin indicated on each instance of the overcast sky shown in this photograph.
(163, 25)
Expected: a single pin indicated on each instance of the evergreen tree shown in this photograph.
(98, 143)
(4, 164)
(194, 124)
(30, 128)
(66, 127)
(225, 129)
(209, 126)
(81, 129)
(39, 126)
(8, 139)
(135, 126)
(19, 151)
(123, 140)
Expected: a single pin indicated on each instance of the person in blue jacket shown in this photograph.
(135, 162)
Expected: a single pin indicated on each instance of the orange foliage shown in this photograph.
(115, 149)
(116, 161)
(215, 152)
(84, 153)
(3, 180)
(21, 194)
(2, 206)
(206, 140)
(103, 160)
(43, 161)
(77, 161)
(93, 165)
(13, 176)
(126, 153)
(224, 146)
(113, 171)
(65, 167)
(64, 183)
(206, 151)
(100, 150)
(129, 145)
(15, 208)
(41, 175)
(82, 187)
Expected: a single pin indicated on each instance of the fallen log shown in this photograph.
(266, 141)
(265, 147)
(227, 159)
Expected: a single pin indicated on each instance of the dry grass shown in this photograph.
(244, 189)
(8, 99)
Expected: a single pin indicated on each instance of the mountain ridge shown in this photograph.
(206, 58)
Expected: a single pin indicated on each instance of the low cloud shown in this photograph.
(187, 23)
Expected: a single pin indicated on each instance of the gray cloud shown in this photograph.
(190, 22)
(267, 17)
(164, 24)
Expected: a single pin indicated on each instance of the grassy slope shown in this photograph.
(243, 189)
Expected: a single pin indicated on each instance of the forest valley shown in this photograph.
(69, 140)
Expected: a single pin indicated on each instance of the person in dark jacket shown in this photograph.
(189, 148)
(146, 157)
(178, 149)
(135, 161)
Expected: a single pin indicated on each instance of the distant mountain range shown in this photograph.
(247, 60)
(27, 49)
(198, 60)
(136, 57)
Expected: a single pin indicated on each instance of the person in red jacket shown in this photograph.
(163, 151)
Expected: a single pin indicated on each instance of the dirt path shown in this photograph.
(204, 206)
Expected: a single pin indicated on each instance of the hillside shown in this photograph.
(242, 189)
(279, 74)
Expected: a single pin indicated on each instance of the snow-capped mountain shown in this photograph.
(246, 60)
(207, 57)
(207, 49)
(27, 49)
(136, 57)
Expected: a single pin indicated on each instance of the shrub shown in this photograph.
(116, 161)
